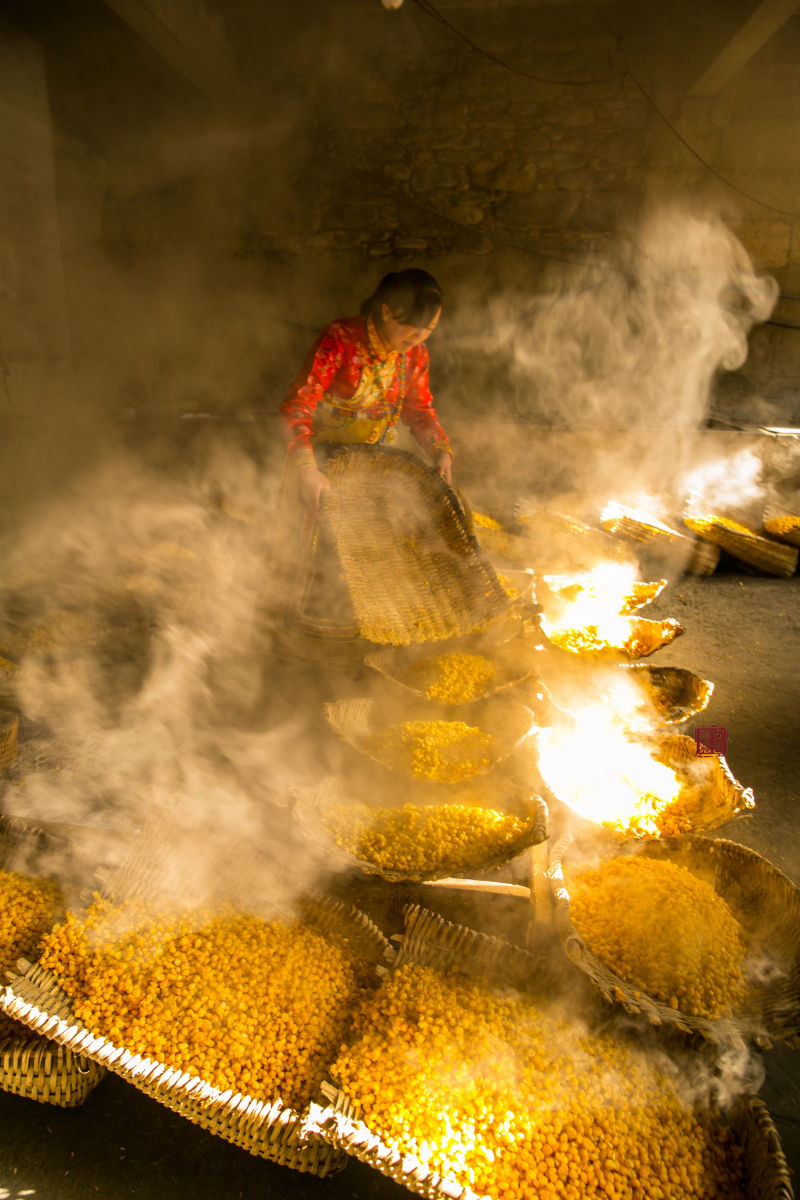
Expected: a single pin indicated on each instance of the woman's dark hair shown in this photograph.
(413, 296)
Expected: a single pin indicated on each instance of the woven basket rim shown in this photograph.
(338, 1121)
(682, 713)
(166, 1084)
(334, 716)
(629, 609)
(384, 660)
(669, 627)
(309, 803)
(500, 602)
(734, 1030)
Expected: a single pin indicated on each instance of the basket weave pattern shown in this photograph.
(413, 571)
(681, 694)
(267, 1129)
(30, 1066)
(771, 557)
(310, 803)
(9, 727)
(761, 898)
(433, 942)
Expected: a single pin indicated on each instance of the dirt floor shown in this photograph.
(743, 633)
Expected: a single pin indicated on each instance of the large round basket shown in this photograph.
(509, 722)
(30, 1066)
(773, 558)
(401, 665)
(266, 1128)
(310, 804)
(433, 942)
(412, 569)
(676, 694)
(765, 903)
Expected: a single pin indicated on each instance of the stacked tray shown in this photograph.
(773, 558)
(767, 906)
(310, 806)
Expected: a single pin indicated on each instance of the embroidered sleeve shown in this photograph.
(418, 412)
(321, 365)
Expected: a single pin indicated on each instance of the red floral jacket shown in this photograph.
(351, 389)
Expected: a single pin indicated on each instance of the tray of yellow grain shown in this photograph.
(563, 543)
(178, 1007)
(782, 523)
(479, 829)
(30, 1066)
(632, 637)
(711, 795)
(566, 588)
(675, 693)
(699, 933)
(9, 682)
(413, 571)
(449, 676)
(463, 1080)
(434, 751)
(773, 558)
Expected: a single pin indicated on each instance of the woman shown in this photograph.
(361, 376)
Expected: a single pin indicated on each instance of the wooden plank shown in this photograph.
(756, 31)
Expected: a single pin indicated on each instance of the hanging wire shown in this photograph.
(676, 132)
(428, 7)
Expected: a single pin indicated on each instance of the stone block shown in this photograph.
(428, 176)
(540, 210)
(399, 171)
(768, 242)
(516, 174)
(603, 211)
(465, 214)
(374, 116)
(622, 148)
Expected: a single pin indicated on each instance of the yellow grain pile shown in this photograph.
(664, 931)
(508, 587)
(260, 1008)
(485, 522)
(586, 639)
(412, 839)
(787, 528)
(444, 751)
(519, 1106)
(452, 678)
(27, 906)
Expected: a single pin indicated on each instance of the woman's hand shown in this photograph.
(444, 464)
(312, 484)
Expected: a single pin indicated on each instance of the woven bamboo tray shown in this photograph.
(31, 1066)
(413, 571)
(432, 942)
(782, 523)
(634, 529)
(646, 637)
(9, 728)
(9, 677)
(309, 805)
(762, 899)
(397, 664)
(676, 693)
(562, 542)
(508, 721)
(723, 797)
(773, 558)
(267, 1129)
(704, 558)
(565, 588)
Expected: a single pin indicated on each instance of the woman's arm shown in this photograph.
(320, 367)
(419, 414)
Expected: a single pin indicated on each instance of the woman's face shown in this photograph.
(402, 337)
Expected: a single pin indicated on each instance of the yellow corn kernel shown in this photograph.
(260, 1008)
(486, 1087)
(410, 838)
(452, 678)
(444, 751)
(664, 931)
(27, 907)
